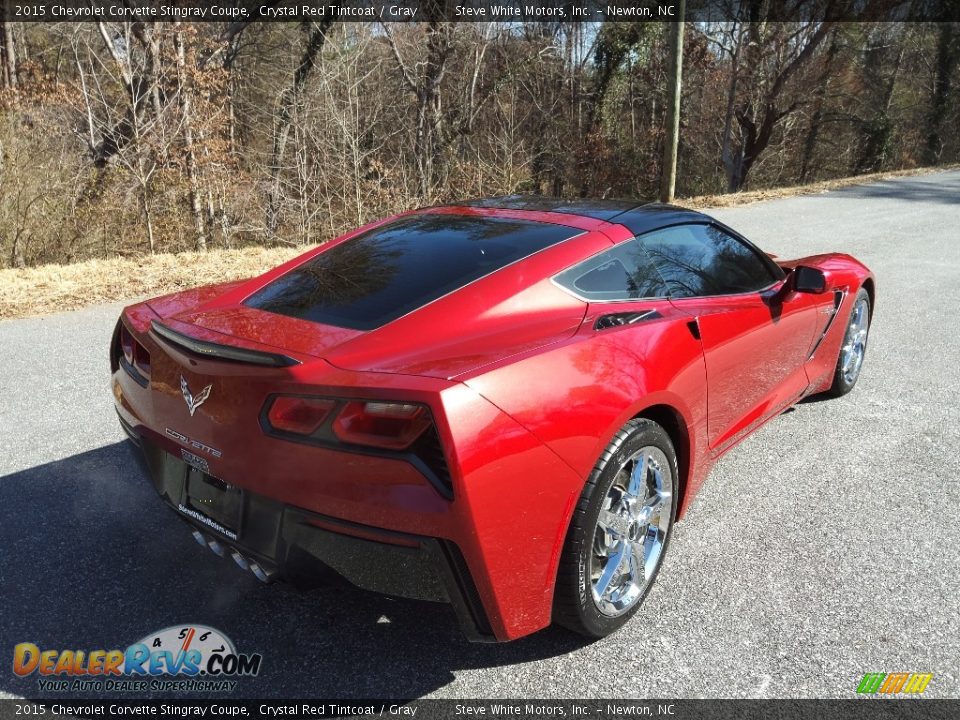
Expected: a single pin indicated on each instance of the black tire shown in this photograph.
(574, 604)
(842, 383)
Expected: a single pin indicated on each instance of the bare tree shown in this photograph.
(819, 99)
(668, 170)
(173, 136)
(185, 92)
(424, 79)
(8, 54)
(290, 101)
(879, 78)
(772, 55)
(948, 56)
(133, 129)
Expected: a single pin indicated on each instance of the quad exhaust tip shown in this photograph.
(262, 574)
(240, 560)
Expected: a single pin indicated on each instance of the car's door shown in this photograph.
(755, 336)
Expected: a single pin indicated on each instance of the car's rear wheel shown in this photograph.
(854, 347)
(619, 533)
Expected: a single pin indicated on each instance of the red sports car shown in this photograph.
(503, 404)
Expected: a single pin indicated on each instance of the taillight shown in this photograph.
(398, 429)
(126, 344)
(131, 355)
(141, 358)
(385, 425)
(299, 415)
(393, 426)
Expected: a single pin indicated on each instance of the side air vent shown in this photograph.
(221, 352)
(838, 298)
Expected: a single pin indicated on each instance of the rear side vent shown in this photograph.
(613, 320)
(428, 450)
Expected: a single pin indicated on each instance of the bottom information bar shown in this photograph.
(868, 709)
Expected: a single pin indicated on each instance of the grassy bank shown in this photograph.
(55, 288)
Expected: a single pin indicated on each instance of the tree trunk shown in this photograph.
(16, 253)
(736, 175)
(231, 115)
(148, 217)
(9, 56)
(428, 144)
(668, 170)
(758, 119)
(726, 147)
(289, 102)
(947, 55)
(114, 138)
(879, 129)
(150, 39)
(813, 133)
(186, 110)
(428, 147)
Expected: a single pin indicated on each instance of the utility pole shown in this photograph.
(668, 169)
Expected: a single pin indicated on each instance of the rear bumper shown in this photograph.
(498, 530)
(288, 542)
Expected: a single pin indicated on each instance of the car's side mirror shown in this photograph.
(809, 280)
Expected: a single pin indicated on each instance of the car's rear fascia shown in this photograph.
(492, 541)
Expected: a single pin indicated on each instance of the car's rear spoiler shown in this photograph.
(209, 349)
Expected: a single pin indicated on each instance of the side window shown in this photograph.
(625, 272)
(697, 260)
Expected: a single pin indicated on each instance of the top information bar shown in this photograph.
(473, 10)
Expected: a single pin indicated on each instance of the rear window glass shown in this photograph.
(372, 279)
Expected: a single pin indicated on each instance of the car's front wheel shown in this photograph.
(619, 531)
(854, 346)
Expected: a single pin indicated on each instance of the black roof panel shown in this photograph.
(637, 217)
(599, 209)
(656, 215)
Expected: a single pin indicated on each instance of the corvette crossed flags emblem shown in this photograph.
(193, 402)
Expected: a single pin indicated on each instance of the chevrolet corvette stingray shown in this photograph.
(504, 404)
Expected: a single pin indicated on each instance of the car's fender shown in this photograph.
(574, 396)
(844, 275)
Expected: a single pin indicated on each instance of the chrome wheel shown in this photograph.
(631, 531)
(855, 342)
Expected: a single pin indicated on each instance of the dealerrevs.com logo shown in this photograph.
(179, 658)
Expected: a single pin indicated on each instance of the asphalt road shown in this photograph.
(826, 546)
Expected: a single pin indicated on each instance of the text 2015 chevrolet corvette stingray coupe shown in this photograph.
(503, 404)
